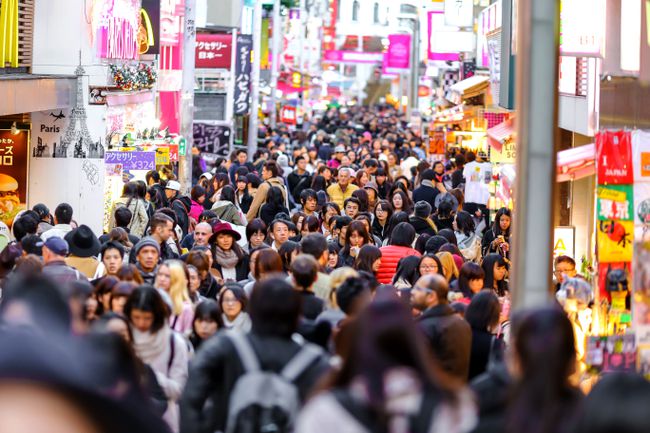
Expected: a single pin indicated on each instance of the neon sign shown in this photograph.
(116, 25)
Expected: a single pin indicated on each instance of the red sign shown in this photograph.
(213, 51)
(614, 158)
(288, 115)
(13, 174)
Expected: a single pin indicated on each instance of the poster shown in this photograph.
(614, 239)
(615, 202)
(243, 74)
(614, 158)
(398, 57)
(13, 174)
(213, 51)
(641, 293)
(615, 353)
(211, 138)
(564, 241)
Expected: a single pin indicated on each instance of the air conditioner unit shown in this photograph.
(224, 13)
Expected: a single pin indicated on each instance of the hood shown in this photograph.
(276, 181)
(221, 203)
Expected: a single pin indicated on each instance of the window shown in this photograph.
(376, 14)
(355, 10)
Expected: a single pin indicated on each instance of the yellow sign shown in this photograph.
(614, 239)
(611, 194)
(564, 241)
(506, 156)
(162, 156)
(9, 33)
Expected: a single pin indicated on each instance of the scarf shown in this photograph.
(150, 346)
(227, 259)
(427, 182)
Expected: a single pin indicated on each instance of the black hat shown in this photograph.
(83, 242)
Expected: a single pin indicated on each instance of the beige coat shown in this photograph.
(139, 220)
(260, 197)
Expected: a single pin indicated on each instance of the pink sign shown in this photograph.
(171, 12)
(435, 23)
(117, 30)
(338, 56)
(399, 52)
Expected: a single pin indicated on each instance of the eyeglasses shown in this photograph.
(429, 267)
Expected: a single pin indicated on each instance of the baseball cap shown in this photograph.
(173, 185)
(55, 244)
(339, 148)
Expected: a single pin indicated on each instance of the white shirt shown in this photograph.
(59, 231)
(476, 178)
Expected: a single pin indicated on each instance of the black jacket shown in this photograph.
(216, 368)
(297, 184)
(242, 268)
(268, 213)
(422, 226)
(244, 202)
(312, 305)
(384, 189)
(426, 193)
(482, 342)
(457, 178)
(181, 207)
(378, 230)
(450, 337)
(209, 287)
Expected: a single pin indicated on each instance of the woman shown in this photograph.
(373, 195)
(497, 237)
(471, 280)
(449, 268)
(394, 168)
(226, 208)
(218, 182)
(243, 199)
(311, 224)
(469, 242)
(229, 259)
(208, 287)
(182, 308)
(439, 175)
(119, 235)
(333, 250)
(288, 251)
(495, 267)
(274, 205)
(430, 264)
(444, 218)
(383, 212)
(401, 202)
(482, 314)
(158, 346)
(388, 378)
(356, 236)
(233, 301)
(119, 295)
(401, 239)
(102, 294)
(137, 206)
(364, 201)
(194, 285)
(368, 259)
(255, 234)
(264, 262)
(206, 322)
(407, 272)
(327, 212)
(198, 196)
(362, 178)
(129, 273)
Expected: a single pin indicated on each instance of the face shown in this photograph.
(564, 268)
(241, 185)
(381, 214)
(241, 158)
(439, 168)
(148, 258)
(372, 195)
(344, 231)
(504, 222)
(165, 231)
(376, 265)
(119, 327)
(344, 178)
(329, 213)
(224, 241)
(428, 266)
(332, 260)
(266, 174)
(202, 235)
(380, 180)
(352, 156)
(363, 179)
(310, 204)
(169, 193)
(356, 240)
(163, 278)
(194, 282)
(420, 298)
(257, 239)
(476, 285)
(345, 161)
(499, 272)
(230, 306)
(351, 209)
(302, 164)
(327, 174)
(397, 201)
(205, 328)
(112, 261)
(280, 233)
(392, 160)
(455, 223)
(141, 320)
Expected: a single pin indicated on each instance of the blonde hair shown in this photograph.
(341, 274)
(178, 289)
(449, 267)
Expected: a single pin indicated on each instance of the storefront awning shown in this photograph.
(576, 163)
(501, 133)
(468, 88)
(27, 93)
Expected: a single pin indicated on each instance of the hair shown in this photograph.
(274, 198)
(311, 223)
(237, 292)
(254, 180)
(402, 235)
(368, 255)
(268, 262)
(198, 259)
(159, 219)
(209, 310)
(449, 267)
(449, 235)
(385, 205)
(123, 216)
(306, 194)
(435, 259)
(565, 259)
(468, 272)
(146, 298)
(30, 264)
(361, 196)
(197, 192)
(314, 244)
(483, 311)
(63, 213)
(25, 225)
(256, 225)
(152, 175)
(465, 223)
(488, 267)
(272, 166)
(496, 227)
(349, 292)
(228, 194)
(221, 180)
(407, 270)
(275, 308)
(326, 207)
(156, 198)
(129, 273)
(352, 200)
(434, 243)
(286, 251)
(421, 242)
(359, 228)
(318, 183)
(119, 235)
(111, 245)
(304, 270)
(439, 285)
(178, 291)
(407, 203)
(459, 195)
(397, 218)
(452, 249)
(445, 209)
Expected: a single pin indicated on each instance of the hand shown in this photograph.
(354, 251)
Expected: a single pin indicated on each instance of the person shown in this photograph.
(274, 205)
(240, 161)
(401, 239)
(383, 212)
(271, 176)
(368, 259)
(138, 208)
(299, 179)
(469, 242)
(430, 264)
(226, 207)
(444, 218)
(158, 346)
(495, 268)
(83, 248)
(477, 174)
(279, 233)
(55, 249)
(564, 267)
(198, 194)
(304, 273)
(229, 259)
(384, 184)
(309, 202)
(288, 251)
(218, 367)
(483, 314)
(457, 177)
(206, 322)
(232, 302)
(194, 285)
(182, 308)
(123, 217)
(62, 220)
(387, 378)
(155, 184)
(181, 205)
(401, 202)
(407, 272)
(449, 268)
(450, 336)
(351, 207)
(421, 219)
(497, 237)
(112, 254)
(471, 280)
(356, 236)
(147, 253)
(242, 196)
(209, 287)
(264, 262)
(342, 189)
(316, 246)
(199, 238)
(45, 219)
(427, 191)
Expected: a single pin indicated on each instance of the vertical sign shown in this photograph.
(399, 52)
(149, 34)
(13, 174)
(243, 74)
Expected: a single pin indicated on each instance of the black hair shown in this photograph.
(307, 194)
(465, 223)
(254, 180)
(111, 245)
(342, 221)
(311, 223)
(30, 244)
(275, 198)
(565, 259)
(304, 270)
(483, 311)
(23, 226)
(326, 207)
(435, 259)
(361, 195)
(273, 168)
(445, 209)
(397, 218)
(496, 228)
(449, 235)
(228, 194)
(197, 192)
(63, 213)
(451, 248)
(42, 211)
(146, 298)
(207, 215)
(348, 292)
(469, 271)
(152, 175)
(421, 242)
(275, 307)
(407, 270)
(256, 225)
(286, 251)
(123, 216)
(368, 255)
(488, 267)
(314, 244)
(237, 292)
(279, 221)
(434, 243)
(402, 235)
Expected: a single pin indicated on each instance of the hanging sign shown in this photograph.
(614, 238)
(117, 23)
(288, 115)
(162, 156)
(13, 174)
(398, 57)
(213, 51)
(243, 74)
(564, 241)
(132, 160)
(506, 155)
(614, 158)
(615, 202)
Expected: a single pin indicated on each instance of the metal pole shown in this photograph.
(187, 95)
(230, 94)
(255, 79)
(537, 92)
(357, 67)
(415, 56)
(275, 67)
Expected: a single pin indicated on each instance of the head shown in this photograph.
(464, 223)
(329, 210)
(207, 319)
(368, 259)
(483, 311)
(233, 301)
(198, 194)
(564, 266)
(275, 308)
(429, 291)
(430, 264)
(496, 270)
(449, 268)
(315, 245)
(309, 200)
(162, 227)
(402, 235)
(400, 201)
(356, 235)
(256, 233)
(112, 257)
(63, 214)
(147, 253)
(351, 206)
(383, 211)
(266, 262)
(352, 296)
(343, 178)
(270, 170)
(279, 231)
(471, 279)
(502, 221)
(201, 261)
(129, 274)
(304, 270)
(288, 251)
(202, 234)
(242, 156)
(123, 216)
(407, 270)
(146, 310)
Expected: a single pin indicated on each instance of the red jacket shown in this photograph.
(390, 256)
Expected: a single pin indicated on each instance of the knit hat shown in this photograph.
(372, 185)
(422, 209)
(147, 242)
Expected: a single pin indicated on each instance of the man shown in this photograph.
(189, 241)
(309, 202)
(351, 207)
(161, 230)
(147, 254)
(343, 189)
(304, 272)
(112, 257)
(476, 174)
(315, 245)
(565, 267)
(457, 175)
(449, 335)
(370, 165)
(427, 190)
(180, 204)
(62, 220)
(45, 222)
(299, 179)
(122, 220)
(271, 176)
(84, 248)
(279, 233)
(242, 161)
(274, 309)
(352, 296)
(200, 238)
(55, 249)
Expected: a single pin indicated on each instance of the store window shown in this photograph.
(375, 14)
(355, 10)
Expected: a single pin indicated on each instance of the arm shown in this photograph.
(174, 382)
(143, 217)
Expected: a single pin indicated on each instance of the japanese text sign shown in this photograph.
(213, 50)
(243, 74)
(13, 174)
(132, 160)
(615, 202)
(614, 158)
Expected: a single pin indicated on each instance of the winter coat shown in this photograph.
(450, 337)
(390, 256)
(227, 211)
(181, 207)
(139, 219)
(483, 342)
(244, 202)
(262, 192)
(338, 196)
(427, 193)
(216, 368)
(378, 230)
(196, 210)
(297, 184)
(241, 268)
(209, 287)
(268, 213)
(422, 226)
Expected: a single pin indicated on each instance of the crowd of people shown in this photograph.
(334, 280)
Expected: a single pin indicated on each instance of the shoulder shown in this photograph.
(323, 413)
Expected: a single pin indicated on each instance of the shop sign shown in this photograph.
(9, 16)
(507, 155)
(118, 23)
(615, 202)
(288, 115)
(243, 74)
(132, 160)
(149, 32)
(213, 51)
(446, 42)
(459, 13)
(162, 156)
(211, 138)
(171, 12)
(580, 35)
(614, 157)
(13, 174)
(614, 239)
(564, 241)
(338, 56)
(398, 57)
(609, 354)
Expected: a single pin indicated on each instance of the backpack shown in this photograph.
(266, 401)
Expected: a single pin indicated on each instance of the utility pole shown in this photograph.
(255, 79)
(275, 67)
(536, 104)
(415, 56)
(187, 95)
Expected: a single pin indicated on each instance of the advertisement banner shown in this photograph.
(338, 56)
(579, 36)
(13, 174)
(398, 56)
(116, 26)
(614, 158)
(210, 138)
(243, 74)
(288, 115)
(213, 51)
(459, 13)
(132, 160)
(614, 239)
(615, 202)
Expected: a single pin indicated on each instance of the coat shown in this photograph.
(196, 210)
(422, 226)
(426, 193)
(181, 207)
(216, 368)
(139, 219)
(450, 337)
(390, 256)
(338, 196)
(260, 196)
(241, 268)
(227, 211)
(482, 342)
(297, 184)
